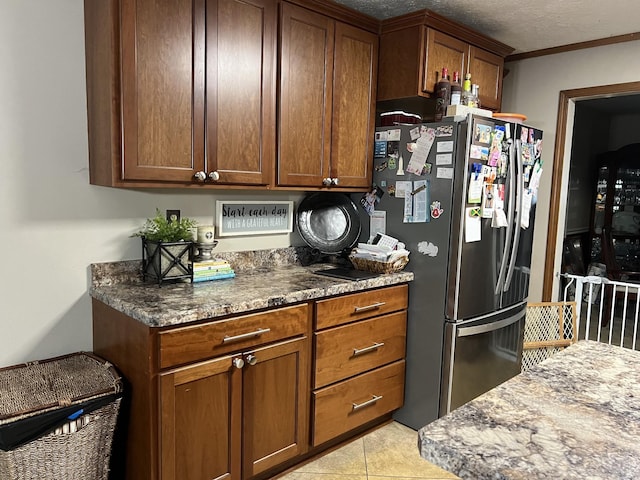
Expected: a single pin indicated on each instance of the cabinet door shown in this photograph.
(200, 421)
(353, 121)
(486, 70)
(443, 51)
(162, 89)
(306, 72)
(276, 405)
(241, 46)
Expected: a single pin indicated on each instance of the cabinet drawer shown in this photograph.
(198, 342)
(348, 350)
(358, 306)
(354, 402)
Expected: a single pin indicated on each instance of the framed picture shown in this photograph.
(243, 217)
(482, 131)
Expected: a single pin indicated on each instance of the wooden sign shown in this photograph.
(253, 217)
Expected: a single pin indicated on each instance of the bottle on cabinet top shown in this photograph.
(466, 89)
(475, 95)
(443, 94)
(456, 90)
(470, 93)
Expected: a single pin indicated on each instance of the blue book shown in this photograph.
(213, 277)
(212, 272)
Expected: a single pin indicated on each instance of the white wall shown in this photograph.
(54, 224)
(532, 88)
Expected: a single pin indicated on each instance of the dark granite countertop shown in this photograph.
(573, 416)
(276, 282)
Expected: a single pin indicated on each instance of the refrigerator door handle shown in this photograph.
(511, 213)
(488, 327)
(516, 236)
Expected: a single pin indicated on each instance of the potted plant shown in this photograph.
(167, 247)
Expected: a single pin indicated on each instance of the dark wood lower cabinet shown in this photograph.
(231, 398)
(220, 420)
(275, 406)
(200, 421)
(229, 415)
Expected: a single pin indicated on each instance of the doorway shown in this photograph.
(560, 174)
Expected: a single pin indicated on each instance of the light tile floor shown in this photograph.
(390, 452)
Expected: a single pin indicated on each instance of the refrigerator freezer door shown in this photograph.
(480, 355)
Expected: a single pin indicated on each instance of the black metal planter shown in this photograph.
(166, 261)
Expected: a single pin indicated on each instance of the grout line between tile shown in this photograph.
(364, 452)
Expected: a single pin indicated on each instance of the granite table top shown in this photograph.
(573, 416)
(270, 285)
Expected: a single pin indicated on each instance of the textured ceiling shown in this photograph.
(524, 25)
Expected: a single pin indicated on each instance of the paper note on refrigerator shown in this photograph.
(378, 222)
(421, 152)
(476, 181)
(408, 207)
(420, 201)
(444, 172)
(526, 209)
(534, 183)
(416, 203)
(393, 135)
(444, 146)
(402, 188)
(472, 225)
(444, 159)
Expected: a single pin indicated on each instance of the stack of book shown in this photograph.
(212, 270)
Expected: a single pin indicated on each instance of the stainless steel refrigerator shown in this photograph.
(461, 196)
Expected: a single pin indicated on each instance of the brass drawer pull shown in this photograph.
(373, 306)
(360, 351)
(244, 336)
(358, 406)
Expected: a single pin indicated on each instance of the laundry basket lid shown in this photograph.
(36, 387)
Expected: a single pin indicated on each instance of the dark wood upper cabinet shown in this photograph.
(415, 47)
(354, 97)
(180, 88)
(442, 50)
(487, 71)
(306, 71)
(241, 44)
(326, 101)
(162, 89)
(186, 93)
